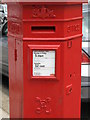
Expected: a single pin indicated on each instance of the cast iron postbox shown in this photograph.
(44, 42)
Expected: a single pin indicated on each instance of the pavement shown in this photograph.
(4, 99)
(3, 114)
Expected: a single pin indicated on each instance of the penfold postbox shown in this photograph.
(45, 40)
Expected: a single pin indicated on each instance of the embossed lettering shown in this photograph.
(73, 28)
(43, 12)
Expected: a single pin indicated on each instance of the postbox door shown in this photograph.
(42, 82)
(51, 94)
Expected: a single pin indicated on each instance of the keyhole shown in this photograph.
(70, 75)
(70, 90)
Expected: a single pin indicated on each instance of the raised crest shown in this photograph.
(43, 105)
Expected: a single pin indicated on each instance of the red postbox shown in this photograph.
(44, 42)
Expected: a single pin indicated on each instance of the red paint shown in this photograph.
(85, 58)
(55, 96)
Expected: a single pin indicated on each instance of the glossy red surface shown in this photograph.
(45, 27)
(85, 58)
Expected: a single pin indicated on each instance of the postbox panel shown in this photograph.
(43, 63)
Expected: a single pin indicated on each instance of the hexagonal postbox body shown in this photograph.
(44, 42)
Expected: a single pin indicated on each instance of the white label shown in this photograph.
(43, 63)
